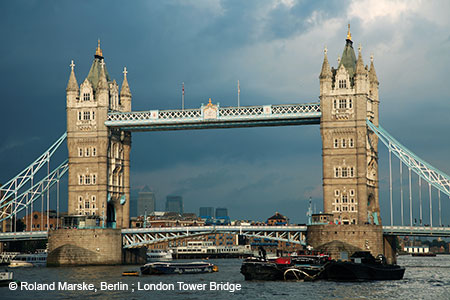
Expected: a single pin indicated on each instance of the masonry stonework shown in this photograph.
(349, 97)
(99, 157)
(84, 247)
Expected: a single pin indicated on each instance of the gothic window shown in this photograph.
(86, 115)
(80, 198)
(350, 103)
(344, 198)
(351, 143)
(342, 84)
(94, 198)
(93, 205)
(344, 172)
(352, 200)
(342, 103)
(94, 151)
(94, 179)
(87, 151)
(352, 192)
(86, 204)
(93, 115)
(336, 193)
(334, 104)
(80, 152)
(352, 171)
(86, 96)
(353, 208)
(336, 172)
(88, 179)
(336, 143)
(80, 179)
(79, 116)
(344, 143)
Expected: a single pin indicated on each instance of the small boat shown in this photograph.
(159, 255)
(6, 277)
(301, 267)
(159, 268)
(363, 266)
(29, 260)
(425, 254)
(130, 273)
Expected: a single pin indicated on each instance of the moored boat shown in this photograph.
(159, 268)
(159, 255)
(29, 260)
(130, 273)
(6, 277)
(363, 266)
(301, 267)
(425, 254)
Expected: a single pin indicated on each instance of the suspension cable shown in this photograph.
(401, 191)
(440, 215)
(390, 184)
(410, 201)
(420, 199)
(431, 205)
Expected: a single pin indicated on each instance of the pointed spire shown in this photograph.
(372, 74)
(72, 85)
(349, 35)
(326, 71)
(102, 81)
(98, 51)
(125, 90)
(359, 63)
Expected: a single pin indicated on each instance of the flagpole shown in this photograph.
(239, 93)
(182, 99)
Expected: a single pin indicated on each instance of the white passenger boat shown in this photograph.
(159, 255)
(6, 277)
(206, 249)
(29, 260)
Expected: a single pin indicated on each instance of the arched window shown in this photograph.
(336, 143)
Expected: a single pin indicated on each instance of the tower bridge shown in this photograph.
(100, 123)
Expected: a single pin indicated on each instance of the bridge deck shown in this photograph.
(144, 235)
(213, 116)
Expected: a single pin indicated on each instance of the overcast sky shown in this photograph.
(274, 48)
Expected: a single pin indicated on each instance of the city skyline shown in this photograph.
(275, 50)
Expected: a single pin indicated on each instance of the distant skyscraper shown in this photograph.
(146, 201)
(206, 212)
(221, 212)
(174, 204)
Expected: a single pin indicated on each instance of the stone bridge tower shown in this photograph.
(348, 97)
(99, 157)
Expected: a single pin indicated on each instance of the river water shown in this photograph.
(425, 278)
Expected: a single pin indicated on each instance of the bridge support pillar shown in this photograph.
(390, 248)
(335, 239)
(134, 256)
(84, 247)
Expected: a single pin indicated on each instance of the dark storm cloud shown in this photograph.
(273, 47)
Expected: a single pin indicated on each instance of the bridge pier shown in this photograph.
(84, 247)
(335, 239)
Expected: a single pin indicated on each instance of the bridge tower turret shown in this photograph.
(349, 96)
(99, 157)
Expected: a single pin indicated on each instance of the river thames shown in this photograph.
(425, 278)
